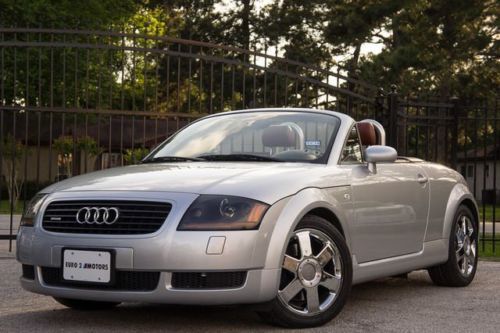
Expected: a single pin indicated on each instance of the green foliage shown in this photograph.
(64, 145)
(135, 155)
(438, 47)
(88, 145)
(12, 150)
(91, 14)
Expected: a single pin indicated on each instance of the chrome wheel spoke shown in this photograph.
(331, 282)
(304, 238)
(325, 255)
(290, 264)
(291, 290)
(464, 226)
(465, 264)
(312, 297)
(473, 249)
(460, 240)
(469, 227)
(460, 235)
(470, 260)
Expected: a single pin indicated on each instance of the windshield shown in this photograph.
(253, 136)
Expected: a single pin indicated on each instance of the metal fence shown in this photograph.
(463, 135)
(75, 101)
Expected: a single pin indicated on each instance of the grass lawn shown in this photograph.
(488, 212)
(488, 252)
(5, 207)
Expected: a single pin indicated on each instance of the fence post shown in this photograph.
(454, 134)
(393, 105)
(379, 106)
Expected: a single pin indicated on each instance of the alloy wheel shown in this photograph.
(465, 246)
(311, 273)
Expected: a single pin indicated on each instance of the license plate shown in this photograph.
(87, 266)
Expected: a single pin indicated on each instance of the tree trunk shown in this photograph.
(13, 185)
(245, 23)
(353, 63)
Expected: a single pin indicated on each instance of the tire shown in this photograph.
(326, 268)
(84, 305)
(460, 269)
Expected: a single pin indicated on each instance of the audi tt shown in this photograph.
(284, 208)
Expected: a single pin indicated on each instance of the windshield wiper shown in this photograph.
(239, 157)
(160, 159)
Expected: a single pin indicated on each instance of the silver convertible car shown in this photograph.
(284, 208)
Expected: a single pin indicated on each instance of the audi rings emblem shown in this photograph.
(97, 215)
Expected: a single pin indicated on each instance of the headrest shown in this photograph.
(278, 136)
(367, 134)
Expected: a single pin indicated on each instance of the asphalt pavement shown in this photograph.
(388, 305)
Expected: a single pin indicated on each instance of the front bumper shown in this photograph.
(259, 287)
(165, 251)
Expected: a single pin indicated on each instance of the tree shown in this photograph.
(65, 145)
(434, 46)
(89, 14)
(438, 47)
(444, 47)
(12, 152)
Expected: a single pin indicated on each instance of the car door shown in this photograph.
(390, 208)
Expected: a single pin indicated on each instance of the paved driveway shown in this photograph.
(388, 305)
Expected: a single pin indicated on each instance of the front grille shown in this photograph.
(28, 272)
(135, 217)
(124, 280)
(213, 280)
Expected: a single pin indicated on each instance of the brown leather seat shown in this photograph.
(278, 136)
(367, 134)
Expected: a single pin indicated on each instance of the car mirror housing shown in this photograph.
(379, 154)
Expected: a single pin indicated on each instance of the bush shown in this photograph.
(133, 156)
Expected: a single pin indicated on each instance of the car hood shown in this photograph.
(264, 181)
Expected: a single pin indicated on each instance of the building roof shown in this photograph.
(116, 132)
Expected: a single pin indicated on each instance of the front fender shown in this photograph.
(459, 193)
(297, 207)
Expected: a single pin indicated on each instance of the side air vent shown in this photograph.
(212, 280)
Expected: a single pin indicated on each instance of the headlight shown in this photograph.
(28, 219)
(221, 212)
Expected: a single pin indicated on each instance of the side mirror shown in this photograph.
(379, 154)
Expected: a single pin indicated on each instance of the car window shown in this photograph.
(352, 149)
(282, 136)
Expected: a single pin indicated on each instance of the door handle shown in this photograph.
(422, 179)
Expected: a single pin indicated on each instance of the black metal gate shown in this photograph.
(75, 101)
(463, 135)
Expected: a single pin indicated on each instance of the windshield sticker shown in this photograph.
(313, 144)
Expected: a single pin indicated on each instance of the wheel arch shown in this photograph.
(471, 204)
(460, 195)
(328, 215)
(320, 202)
